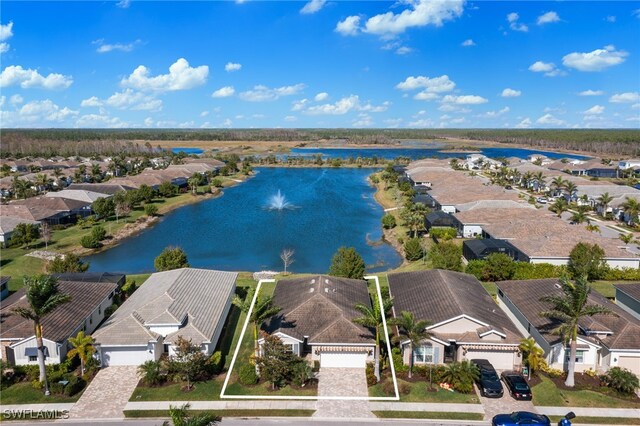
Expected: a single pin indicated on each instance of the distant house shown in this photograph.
(93, 277)
(189, 303)
(84, 312)
(52, 210)
(4, 287)
(479, 249)
(604, 341)
(629, 164)
(8, 224)
(465, 321)
(316, 319)
(439, 219)
(77, 194)
(628, 298)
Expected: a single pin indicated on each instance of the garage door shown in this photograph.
(123, 356)
(343, 360)
(631, 363)
(500, 360)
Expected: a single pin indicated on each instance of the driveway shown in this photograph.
(506, 404)
(342, 382)
(107, 394)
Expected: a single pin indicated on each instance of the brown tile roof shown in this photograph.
(630, 289)
(526, 295)
(492, 216)
(321, 308)
(52, 203)
(64, 320)
(437, 296)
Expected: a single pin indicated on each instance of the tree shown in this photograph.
(275, 361)
(171, 258)
(180, 417)
(373, 318)
(446, 255)
(626, 238)
(189, 360)
(150, 373)
(586, 260)
(167, 190)
(287, 258)
(414, 331)
(347, 263)
(631, 208)
(579, 217)
(413, 249)
(45, 233)
(571, 189)
(104, 207)
(559, 206)
(43, 296)
(193, 183)
(66, 263)
(145, 193)
(24, 234)
(499, 267)
(82, 348)
(150, 209)
(90, 242)
(122, 208)
(569, 308)
(461, 375)
(99, 233)
(21, 187)
(263, 310)
(604, 201)
(532, 354)
(557, 184)
(388, 221)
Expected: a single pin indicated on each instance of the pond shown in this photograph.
(312, 211)
(187, 151)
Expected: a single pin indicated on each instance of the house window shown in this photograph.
(33, 358)
(423, 354)
(579, 356)
(289, 347)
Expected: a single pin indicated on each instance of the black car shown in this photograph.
(517, 385)
(488, 380)
(520, 418)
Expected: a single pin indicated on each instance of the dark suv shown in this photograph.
(517, 385)
(488, 380)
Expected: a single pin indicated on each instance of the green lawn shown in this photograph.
(223, 413)
(547, 394)
(599, 420)
(203, 391)
(419, 393)
(25, 393)
(427, 415)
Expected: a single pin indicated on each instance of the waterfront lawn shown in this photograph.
(25, 393)
(546, 393)
(418, 392)
(427, 415)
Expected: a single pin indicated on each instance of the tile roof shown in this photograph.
(9, 223)
(102, 188)
(321, 308)
(630, 289)
(526, 295)
(76, 194)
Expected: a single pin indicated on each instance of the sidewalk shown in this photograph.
(591, 412)
(424, 406)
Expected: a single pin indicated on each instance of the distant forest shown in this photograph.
(68, 142)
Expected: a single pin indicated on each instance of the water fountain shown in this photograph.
(279, 202)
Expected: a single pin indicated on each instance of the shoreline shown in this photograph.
(388, 235)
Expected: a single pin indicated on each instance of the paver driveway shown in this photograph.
(506, 404)
(108, 393)
(342, 382)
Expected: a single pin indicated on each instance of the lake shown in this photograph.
(324, 209)
(187, 151)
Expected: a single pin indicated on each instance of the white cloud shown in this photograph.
(594, 110)
(448, 107)
(548, 68)
(627, 97)
(262, 93)
(28, 79)
(323, 96)
(101, 120)
(468, 43)
(549, 119)
(635, 106)
(524, 124)
(313, 6)
(393, 123)
(510, 93)
(204, 113)
(106, 47)
(181, 77)
(148, 122)
(596, 60)
(224, 92)
(610, 18)
(2, 100)
(419, 14)
(426, 96)
(364, 120)
(299, 105)
(290, 118)
(513, 18)
(44, 110)
(91, 102)
(187, 124)
(4, 47)
(548, 18)
(130, 99)
(403, 50)
(464, 99)
(231, 67)
(6, 31)
(345, 105)
(124, 4)
(350, 26)
(16, 99)
(494, 114)
(591, 93)
(423, 122)
(431, 85)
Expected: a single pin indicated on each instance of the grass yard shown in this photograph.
(137, 414)
(547, 394)
(25, 393)
(427, 415)
(419, 393)
(599, 420)
(203, 391)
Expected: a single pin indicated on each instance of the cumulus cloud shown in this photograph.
(345, 105)
(91, 102)
(28, 79)
(494, 114)
(299, 105)
(464, 100)
(364, 120)
(130, 99)
(231, 67)
(224, 92)
(124, 4)
(313, 6)
(420, 13)
(101, 120)
(591, 93)
(181, 76)
(548, 68)
(431, 85)
(468, 43)
(627, 97)
(596, 60)
(262, 93)
(594, 110)
(524, 124)
(122, 47)
(323, 96)
(610, 18)
(16, 99)
(39, 113)
(514, 24)
(510, 93)
(549, 119)
(548, 18)
(6, 32)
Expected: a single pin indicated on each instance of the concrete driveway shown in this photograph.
(342, 382)
(506, 404)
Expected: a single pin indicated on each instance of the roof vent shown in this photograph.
(326, 290)
(556, 285)
(326, 281)
(334, 290)
(313, 281)
(311, 290)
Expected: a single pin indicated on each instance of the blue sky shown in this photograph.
(351, 64)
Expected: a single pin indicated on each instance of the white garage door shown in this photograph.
(630, 363)
(343, 360)
(500, 360)
(124, 356)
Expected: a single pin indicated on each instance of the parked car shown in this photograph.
(517, 385)
(542, 200)
(520, 418)
(488, 380)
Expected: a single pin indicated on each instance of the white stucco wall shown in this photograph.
(56, 351)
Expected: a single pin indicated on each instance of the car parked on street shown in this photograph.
(488, 381)
(517, 385)
(520, 418)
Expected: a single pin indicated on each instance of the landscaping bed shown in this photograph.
(587, 393)
(417, 389)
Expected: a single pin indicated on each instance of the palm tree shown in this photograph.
(559, 206)
(632, 208)
(461, 375)
(43, 296)
(557, 183)
(180, 417)
(571, 189)
(21, 187)
(540, 180)
(568, 309)
(43, 181)
(604, 201)
(533, 355)
(193, 182)
(372, 317)
(414, 332)
(626, 238)
(526, 179)
(82, 348)
(579, 217)
(262, 310)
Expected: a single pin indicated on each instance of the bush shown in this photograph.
(554, 373)
(445, 234)
(388, 388)
(413, 249)
(67, 263)
(622, 380)
(446, 255)
(388, 221)
(167, 189)
(215, 363)
(89, 241)
(150, 209)
(370, 373)
(404, 388)
(347, 263)
(217, 182)
(171, 258)
(247, 375)
(398, 364)
(75, 385)
(99, 233)
(475, 268)
(532, 271)
(150, 373)
(622, 274)
(498, 267)
(129, 287)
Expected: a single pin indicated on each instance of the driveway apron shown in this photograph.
(342, 382)
(504, 405)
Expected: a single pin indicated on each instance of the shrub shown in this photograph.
(150, 373)
(216, 362)
(99, 233)
(217, 182)
(301, 373)
(150, 209)
(316, 365)
(247, 375)
(445, 234)
(89, 241)
(622, 274)
(531, 271)
(498, 267)
(461, 375)
(129, 287)
(388, 221)
(404, 388)
(388, 388)
(622, 380)
(399, 365)
(446, 255)
(75, 385)
(167, 189)
(171, 258)
(413, 249)
(476, 268)
(371, 377)
(553, 372)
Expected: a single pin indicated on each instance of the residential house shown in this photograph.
(101, 188)
(470, 223)
(628, 298)
(77, 194)
(84, 312)
(604, 341)
(465, 321)
(93, 277)
(479, 249)
(189, 303)
(52, 210)
(438, 219)
(632, 163)
(316, 319)
(8, 224)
